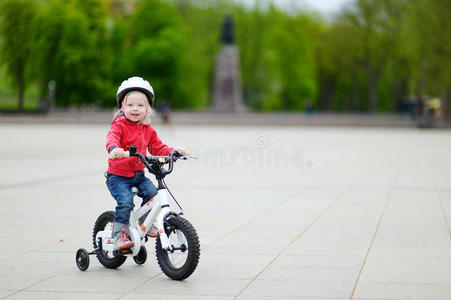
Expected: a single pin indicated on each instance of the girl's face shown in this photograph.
(135, 106)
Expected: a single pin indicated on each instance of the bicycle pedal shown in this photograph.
(126, 251)
(122, 252)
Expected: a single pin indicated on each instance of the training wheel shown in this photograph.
(82, 259)
(141, 257)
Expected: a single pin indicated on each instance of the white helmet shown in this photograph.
(134, 84)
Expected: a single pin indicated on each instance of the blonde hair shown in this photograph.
(146, 120)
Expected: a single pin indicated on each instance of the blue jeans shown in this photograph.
(121, 189)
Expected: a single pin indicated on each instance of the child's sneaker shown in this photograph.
(123, 242)
(153, 231)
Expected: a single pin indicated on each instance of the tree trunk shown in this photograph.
(327, 93)
(373, 77)
(355, 105)
(446, 106)
(21, 94)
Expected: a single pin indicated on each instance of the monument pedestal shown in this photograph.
(227, 95)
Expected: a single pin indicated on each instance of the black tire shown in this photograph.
(141, 257)
(174, 266)
(106, 258)
(82, 259)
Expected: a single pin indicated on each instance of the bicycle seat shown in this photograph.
(134, 190)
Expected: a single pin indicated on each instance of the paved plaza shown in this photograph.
(282, 212)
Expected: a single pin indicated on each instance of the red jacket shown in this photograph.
(125, 133)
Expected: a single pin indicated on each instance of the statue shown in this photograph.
(227, 31)
(227, 94)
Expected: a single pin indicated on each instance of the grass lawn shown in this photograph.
(9, 97)
(10, 103)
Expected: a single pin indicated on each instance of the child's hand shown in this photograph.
(182, 150)
(118, 153)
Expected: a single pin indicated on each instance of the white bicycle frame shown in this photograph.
(159, 208)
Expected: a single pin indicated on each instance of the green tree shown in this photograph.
(428, 40)
(201, 27)
(277, 61)
(360, 58)
(156, 44)
(290, 61)
(16, 17)
(250, 28)
(70, 49)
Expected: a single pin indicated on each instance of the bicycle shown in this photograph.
(177, 244)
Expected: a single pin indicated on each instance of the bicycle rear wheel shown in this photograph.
(106, 258)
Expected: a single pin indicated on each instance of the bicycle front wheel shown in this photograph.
(180, 263)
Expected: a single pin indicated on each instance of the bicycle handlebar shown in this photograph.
(155, 163)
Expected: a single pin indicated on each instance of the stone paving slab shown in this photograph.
(299, 288)
(47, 295)
(282, 213)
(402, 290)
(137, 296)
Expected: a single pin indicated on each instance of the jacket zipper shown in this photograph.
(139, 142)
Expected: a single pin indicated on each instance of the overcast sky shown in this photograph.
(326, 7)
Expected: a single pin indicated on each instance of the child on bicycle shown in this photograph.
(131, 126)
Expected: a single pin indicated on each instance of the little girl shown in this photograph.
(131, 126)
